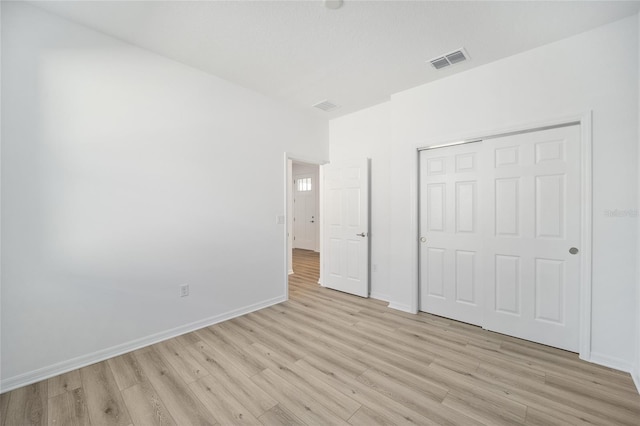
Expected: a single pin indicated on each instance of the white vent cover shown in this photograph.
(450, 58)
(325, 105)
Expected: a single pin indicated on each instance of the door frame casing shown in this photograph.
(288, 209)
(586, 213)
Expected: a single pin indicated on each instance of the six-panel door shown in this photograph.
(450, 224)
(345, 262)
(533, 218)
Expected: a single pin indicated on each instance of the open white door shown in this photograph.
(345, 251)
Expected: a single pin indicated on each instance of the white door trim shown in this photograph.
(586, 211)
(288, 209)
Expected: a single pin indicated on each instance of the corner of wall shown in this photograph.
(402, 307)
(0, 174)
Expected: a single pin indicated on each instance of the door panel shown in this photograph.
(346, 227)
(465, 278)
(435, 272)
(550, 198)
(466, 206)
(549, 290)
(507, 207)
(435, 206)
(507, 270)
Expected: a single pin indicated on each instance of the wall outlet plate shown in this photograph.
(184, 290)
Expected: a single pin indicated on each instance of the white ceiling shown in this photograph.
(356, 56)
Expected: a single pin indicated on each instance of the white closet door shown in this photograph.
(500, 234)
(533, 281)
(451, 236)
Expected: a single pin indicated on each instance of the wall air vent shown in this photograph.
(450, 58)
(325, 105)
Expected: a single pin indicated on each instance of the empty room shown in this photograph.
(319, 212)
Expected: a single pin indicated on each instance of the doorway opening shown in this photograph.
(341, 235)
(303, 193)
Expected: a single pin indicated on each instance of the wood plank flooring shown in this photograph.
(328, 358)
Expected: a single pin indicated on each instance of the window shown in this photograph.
(304, 184)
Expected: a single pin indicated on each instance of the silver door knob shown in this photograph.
(423, 240)
(573, 250)
(362, 234)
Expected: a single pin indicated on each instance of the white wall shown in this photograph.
(124, 175)
(366, 134)
(566, 78)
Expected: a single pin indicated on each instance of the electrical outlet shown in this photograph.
(184, 290)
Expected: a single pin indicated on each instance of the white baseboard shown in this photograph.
(290, 271)
(611, 362)
(635, 375)
(103, 354)
(401, 307)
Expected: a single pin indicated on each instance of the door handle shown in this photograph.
(573, 250)
(362, 234)
(423, 240)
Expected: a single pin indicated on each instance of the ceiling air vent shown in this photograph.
(440, 63)
(449, 59)
(325, 105)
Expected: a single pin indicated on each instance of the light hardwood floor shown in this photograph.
(326, 357)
